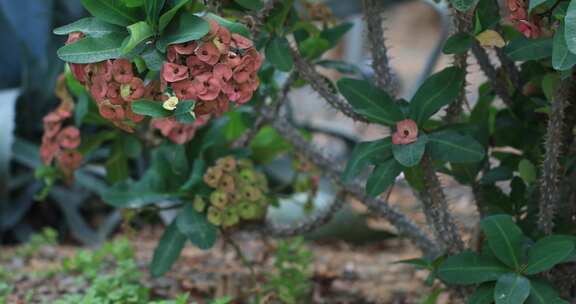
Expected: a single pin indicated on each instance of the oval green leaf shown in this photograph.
(364, 153)
(113, 11)
(562, 58)
(462, 5)
(504, 238)
(90, 26)
(168, 250)
(185, 27)
(196, 227)
(410, 155)
(542, 292)
(570, 22)
(458, 43)
(370, 101)
(278, 54)
(139, 32)
(437, 91)
(93, 49)
(383, 176)
(511, 288)
(524, 49)
(548, 252)
(452, 146)
(150, 108)
(484, 294)
(470, 268)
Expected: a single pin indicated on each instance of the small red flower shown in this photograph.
(406, 132)
(241, 42)
(122, 70)
(99, 87)
(70, 160)
(197, 66)
(172, 72)
(73, 37)
(186, 48)
(69, 137)
(48, 151)
(208, 53)
(208, 87)
(222, 72)
(185, 90)
(136, 89)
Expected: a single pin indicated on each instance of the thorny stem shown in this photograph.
(244, 260)
(380, 62)
(490, 72)
(551, 167)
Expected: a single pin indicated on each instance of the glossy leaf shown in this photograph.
(383, 176)
(250, 4)
(535, 3)
(562, 58)
(90, 26)
(437, 91)
(278, 53)
(168, 250)
(334, 34)
(233, 27)
(542, 292)
(370, 101)
(548, 252)
(165, 19)
(153, 9)
(150, 108)
(470, 268)
(504, 238)
(196, 227)
(139, 32)
(184, 112)
(458, 43)
(524, 49)
(185, 27)
(452, 146)
(364, 153)
(484, 294)
(410, 155)
(112, 11)
(570, 30)
(511, 288)
(93, 49)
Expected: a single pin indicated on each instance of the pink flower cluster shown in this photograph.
(519, 16)
(60, 142)
(214, 70)
(178, 132)
(406, 132)
(113, 86)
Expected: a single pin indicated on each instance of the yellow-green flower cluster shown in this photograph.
(240, 192)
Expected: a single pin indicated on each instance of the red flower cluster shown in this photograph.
(219, 68)
(113, 86)
(178, 132)
(519, 16)
(406, 132)
(60, 142)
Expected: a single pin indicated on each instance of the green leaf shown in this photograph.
(542, 292)
(112, 11)
(562, 58)
(504, 238)
(153, 59)
(570, 22)
(184, 112)
(93, 49)
(364, 153)
(139, 32)
(314, 47)
(168, 250)
(90, 26)
(452, 146)
(524, 49)
(116, 164)
(534, 4)
(410, 155)
(150, 108)
(278, 53)
(185, 27)
(196, 227)
(267, 144)
(470, 268)
(250, 4)
(128, 195)
(484, 294)
(548, 252)
(527, 171)
(511, 288)
(458, 43)
(437, 91)
(233, 27)
(169, 15)
(370, 101)
(334, 34)
(383, 176)
(462, 5)
(153, 9)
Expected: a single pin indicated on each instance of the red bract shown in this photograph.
(69, 138)
(122, 71)
(172, 72)
(406, 132)
(186, 48)
(185, 90)
(177, 132)
(519, 16)
(209, 53)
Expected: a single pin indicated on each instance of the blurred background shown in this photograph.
(29, 69)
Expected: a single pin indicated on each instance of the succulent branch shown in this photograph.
(437, 210)
(333, 170)
(380, 61)
(490, 72)
(551, 167)
(319, 84)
